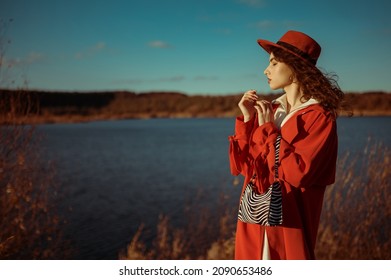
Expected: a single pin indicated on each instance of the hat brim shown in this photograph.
(267, 46)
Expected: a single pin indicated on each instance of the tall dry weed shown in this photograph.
(356, 217)
(173, 244)
(169, 243)
(207, 234)
(28, 220)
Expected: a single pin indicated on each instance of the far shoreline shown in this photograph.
(78, 119)
(40, 107)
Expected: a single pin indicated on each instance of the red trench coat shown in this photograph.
(308, 154)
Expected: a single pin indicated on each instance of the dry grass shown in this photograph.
(29, 225)
(356, 218)
(355, 221)
(173, 244)
(207, 234)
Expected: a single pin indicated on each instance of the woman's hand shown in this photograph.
(246, 104)
(265, 111)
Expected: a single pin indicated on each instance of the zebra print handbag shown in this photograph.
(266, 208)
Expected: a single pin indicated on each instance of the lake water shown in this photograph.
(116, 175)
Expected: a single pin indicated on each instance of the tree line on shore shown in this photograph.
(47, 106)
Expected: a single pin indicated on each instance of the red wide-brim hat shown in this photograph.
(296, 43)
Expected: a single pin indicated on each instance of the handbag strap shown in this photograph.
(276, 159)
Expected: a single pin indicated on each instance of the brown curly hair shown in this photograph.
(313, 82)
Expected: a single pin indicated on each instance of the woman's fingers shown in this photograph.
(246, 104)
(250, 103)
(265, 111)
(261, 118)
(251, 95)
(263, 106)
(268, 104)
(269, 116)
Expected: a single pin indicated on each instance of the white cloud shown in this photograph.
(292, 24)
(34, 57)
(159, 44)
(173, 79)
(223, 31)
(206, 78)
(266, 24)
(99, 46)
(253, 3)
(91, 51)
(31, 58)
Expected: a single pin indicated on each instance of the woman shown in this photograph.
(305, 117)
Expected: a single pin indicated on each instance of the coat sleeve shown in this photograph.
(239, 146)
(308, 151)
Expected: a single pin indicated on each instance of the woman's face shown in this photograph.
(279, 74)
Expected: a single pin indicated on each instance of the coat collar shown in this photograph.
(281, 117)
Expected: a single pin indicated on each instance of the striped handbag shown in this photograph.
(266, 208)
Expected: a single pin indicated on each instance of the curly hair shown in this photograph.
(313, 82)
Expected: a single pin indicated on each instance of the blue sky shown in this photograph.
(195, 47)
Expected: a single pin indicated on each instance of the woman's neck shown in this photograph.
(293, 96)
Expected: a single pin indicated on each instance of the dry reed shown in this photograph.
(207, 234)
(356, 217)
(30, 228)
